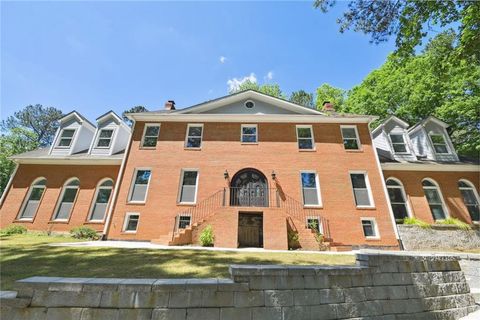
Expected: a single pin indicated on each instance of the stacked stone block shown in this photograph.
(380, 286)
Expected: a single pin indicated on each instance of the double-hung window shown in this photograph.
(188, 188)
(439, 143)
(67, 199)
(310, 188)
(33, 199)
(139, 189)
(249, 133)
(361, 189)
(350, 137)
(104, 138)
(66, 138)
(184, 221)
(470, 199)
(434, 199)
(396, 193)
(150, 135)
(102, 196)
(305, 137)
(131, 222)
(370, 229)
(398, 143)
(194, 136)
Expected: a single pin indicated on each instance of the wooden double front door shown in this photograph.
(250, 230)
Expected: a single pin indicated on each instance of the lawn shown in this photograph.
(27, 255)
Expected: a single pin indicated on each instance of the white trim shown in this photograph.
(127, 219)
(60, 199)
(132, 185)
(97, 138)
(182, 173)
(147, 125)
(249, 126)
(359, 143)
(407, 147)
(396, 166)
(72, 138)
(474, 190)
(433, 144)
(193, 125)
(404, 194)
(94, 200)
(9, 184)
(319, 194)
(184, 215)
(94, 160)
(367, 184)
(440, 193)
(27, 199)
(375, 228)
(309, 126)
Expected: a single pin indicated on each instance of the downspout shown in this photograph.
(9, 184)
(389, 205)
(117, 185)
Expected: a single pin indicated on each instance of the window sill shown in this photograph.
(142, 203)
(128, 232)
(365, 207)
(355, 150)
(148, 148)
(192, 149)
(23, 221)
(59, 221)
(187, 204)
(307, 150)
(373, 238)
(94, 222)
(249, 143)
(306, 206)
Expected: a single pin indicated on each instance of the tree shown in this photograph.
(303, 98)
(270, 89)
(411, 21)
(43, 121)
(434, 82)
(18, 140)
(332, 94)
(136, 109)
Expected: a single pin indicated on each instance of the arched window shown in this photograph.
(470, 198)
(435, 199)
(32, 201)
(68, 196)
(398, 199)
(102, 196)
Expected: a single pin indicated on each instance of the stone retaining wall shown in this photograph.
(381, 286)
(438, 238)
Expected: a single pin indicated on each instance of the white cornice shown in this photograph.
(455, 167)
(69, 161)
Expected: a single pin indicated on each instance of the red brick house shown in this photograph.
(254, 167)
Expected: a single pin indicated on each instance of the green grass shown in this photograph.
(455, 222)
(30, 255)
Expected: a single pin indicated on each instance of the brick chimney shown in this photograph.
(170, 105)
(328, 107)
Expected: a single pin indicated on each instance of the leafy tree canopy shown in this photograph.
(302, 97)
(332, 94)
(43, 121)
(411, 21)
(267, 88)
(136, 109)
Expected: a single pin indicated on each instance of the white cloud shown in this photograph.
(234, 84)
(223, 59)
(269, 76)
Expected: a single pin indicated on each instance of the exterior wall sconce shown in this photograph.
(225, 174)
(274, 175)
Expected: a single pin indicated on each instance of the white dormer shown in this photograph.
(111, 136)
(392, 136)
(74, 135)
(431, 141)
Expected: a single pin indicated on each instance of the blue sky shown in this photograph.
(97, 56)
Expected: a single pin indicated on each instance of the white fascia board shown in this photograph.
(430, 167)
(69, 161)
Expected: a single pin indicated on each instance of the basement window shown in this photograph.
(370, 229)
(184, 221)
(131, 222)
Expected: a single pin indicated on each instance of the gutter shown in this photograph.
(430, 167)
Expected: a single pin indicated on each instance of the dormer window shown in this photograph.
(66, 138)
(398, 143)
(439, 143)
(104, 138)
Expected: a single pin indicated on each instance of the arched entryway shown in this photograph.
(249, 188)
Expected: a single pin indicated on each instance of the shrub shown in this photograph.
(207, 237)
(84, 233)
(416, 222)
(455, 222)
(13, 229)
(293, 238)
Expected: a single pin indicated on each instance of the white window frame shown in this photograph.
(437, 187)
(375, 228)
(369, 189)
(184, 215)
(127, 219)
(471, 186)
(357, 137)
(407, 149)
(249, 126)
(444, 140)
(132, 185)
(193, 125)
(308, 126)
(179, 196)
(319, 194)
(60, 199)
(404, 194)
(147, 125)
(94, 201)
(320, 224)
(96, 146)
(57, 144)
(26, 200)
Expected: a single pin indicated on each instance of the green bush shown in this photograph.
(13, 229)
(455, 222)
(206, 237)
(416, 222)
(293, 240)
(84, 233)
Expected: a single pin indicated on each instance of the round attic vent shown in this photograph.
(249, 104)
